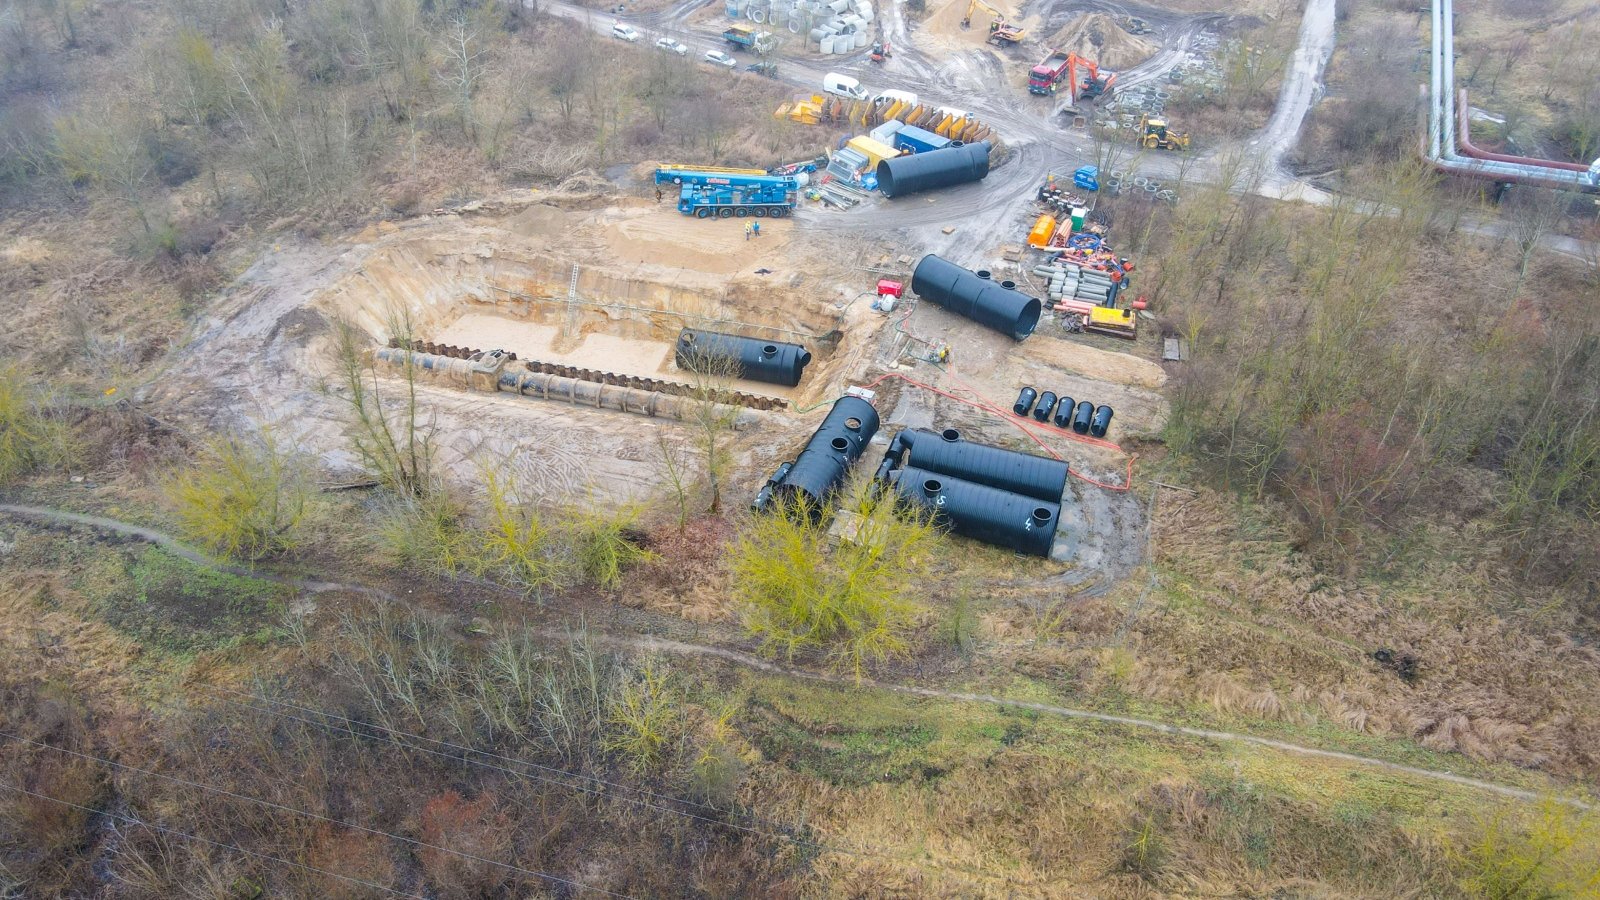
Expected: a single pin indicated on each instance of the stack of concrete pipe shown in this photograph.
(1069, 282)
(836, 26)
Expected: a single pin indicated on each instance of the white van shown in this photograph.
(906, 97)
(626, 32)
(843, 86)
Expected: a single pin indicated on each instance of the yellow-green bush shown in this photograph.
(603, 547)
(240, 498)
(853, 598)
(1553, 851)
(30, 437)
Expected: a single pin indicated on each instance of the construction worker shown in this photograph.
(659, 195)
(755, 228)
(747, 231)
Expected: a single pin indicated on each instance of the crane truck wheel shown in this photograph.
(742, 211)
(761, 212)
(779, 212)
(726, 212)
(702, 213)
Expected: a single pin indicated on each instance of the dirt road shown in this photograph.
(649, 644)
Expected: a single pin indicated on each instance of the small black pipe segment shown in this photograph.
(1024, 401)
(1047, 405)
(1064, 409)
(1081, 419)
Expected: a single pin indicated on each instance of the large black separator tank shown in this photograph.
(1039, 477)
(1025, 524)
(758, 360)
(965, 293)
(902, 175)
(822, 466)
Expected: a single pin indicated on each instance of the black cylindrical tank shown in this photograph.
(1081, 418)
(758, 360)
(1024, 402)
(1033, 476)
(836, 444)
(1047, 405)
(1101, 421)
(1064, 409)
(961, 291)
(902, 175)
(1024, 524)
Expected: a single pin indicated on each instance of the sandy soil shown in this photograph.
(942, 31)
(664, 238)
(1099, 37)
(603, 352)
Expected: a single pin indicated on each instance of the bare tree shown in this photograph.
(711, 414)
(462, 47)
(389, 435)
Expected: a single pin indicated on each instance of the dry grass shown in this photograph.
(1278, 637)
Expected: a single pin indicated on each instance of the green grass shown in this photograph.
(174, 606)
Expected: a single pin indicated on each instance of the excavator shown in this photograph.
(1000, 32)
(1154, 135)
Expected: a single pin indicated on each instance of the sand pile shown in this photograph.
(1098, 37)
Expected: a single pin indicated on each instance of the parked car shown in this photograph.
(625, 32)
(843, 86)
(718, 58)
(671, 46)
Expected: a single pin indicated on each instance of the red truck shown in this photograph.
(1044, 77)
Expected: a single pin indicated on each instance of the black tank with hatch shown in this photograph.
(1039, 477)
(979, 298)
(773, 362)
(1024, 524)
(822, 466)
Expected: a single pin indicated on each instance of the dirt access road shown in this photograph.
(973, 79)
(649, 644)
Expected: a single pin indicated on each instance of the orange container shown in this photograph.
(1044, 228)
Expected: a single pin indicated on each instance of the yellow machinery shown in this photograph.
(1000, 31)
(716, 169)
(1115, 322)
(1154, 135)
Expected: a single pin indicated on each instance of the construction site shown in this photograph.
(959, 448)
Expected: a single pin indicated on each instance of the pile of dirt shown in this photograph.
(1098, 37)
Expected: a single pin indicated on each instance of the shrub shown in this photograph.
(240, 498)
(852, 599)
(643, 722)
(605, 546)
(32, 435)
(1551, 854)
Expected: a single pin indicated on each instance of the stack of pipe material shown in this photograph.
(773, 362)
(969, 294)
(821, 467)
(578, 392)
(945, 167)
(1066, 283)
(1022, 523)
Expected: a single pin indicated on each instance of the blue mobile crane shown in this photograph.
(726, 193)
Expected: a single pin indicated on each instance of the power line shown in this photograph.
(513, 760)
(556, 879)
(780, 836)
(131, 820)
